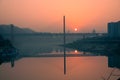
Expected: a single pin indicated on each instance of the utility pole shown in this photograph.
(12, 33)
(64, 32)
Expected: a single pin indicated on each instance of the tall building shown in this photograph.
(114, 29)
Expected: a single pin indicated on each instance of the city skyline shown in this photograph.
(46, 16)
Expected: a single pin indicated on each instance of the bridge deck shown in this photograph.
(60, 55)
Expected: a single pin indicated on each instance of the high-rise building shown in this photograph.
(114, 29)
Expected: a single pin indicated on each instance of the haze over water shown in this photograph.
(29, 65)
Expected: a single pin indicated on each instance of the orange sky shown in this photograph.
(46, 15)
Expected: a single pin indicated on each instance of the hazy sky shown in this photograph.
(46, 15)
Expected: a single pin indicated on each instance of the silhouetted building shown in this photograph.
(114, 29)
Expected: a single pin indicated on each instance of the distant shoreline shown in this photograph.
(103, 45)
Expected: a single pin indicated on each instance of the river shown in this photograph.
(31, 66)
(52, 68)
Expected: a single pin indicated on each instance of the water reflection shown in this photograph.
(51, 68)
(78, 68)
(8, 56)
(114, 61)
(76, 51)
(114, 64)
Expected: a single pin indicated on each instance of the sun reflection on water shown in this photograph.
(76, 51)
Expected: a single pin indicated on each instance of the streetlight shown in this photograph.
(12, 32)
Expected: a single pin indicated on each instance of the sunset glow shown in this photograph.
(46, 15)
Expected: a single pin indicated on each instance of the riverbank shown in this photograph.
(102, 45)
(6, 47)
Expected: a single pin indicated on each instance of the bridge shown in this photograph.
(59, 36)
(61, 55)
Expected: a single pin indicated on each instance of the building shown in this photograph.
(114, 29)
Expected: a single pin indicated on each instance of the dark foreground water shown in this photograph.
(51, 68)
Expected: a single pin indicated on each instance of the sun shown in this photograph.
(75, 29)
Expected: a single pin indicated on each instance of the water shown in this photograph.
(31, 66)
(51, 68)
